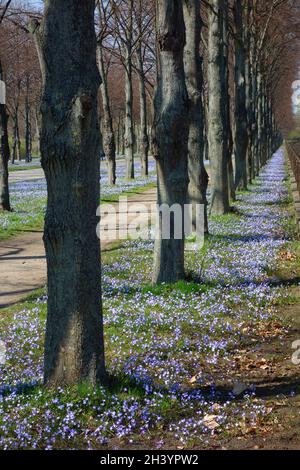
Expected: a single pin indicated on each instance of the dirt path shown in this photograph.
(22, 258)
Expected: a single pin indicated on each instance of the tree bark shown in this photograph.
(19, 149)
(129, 132)
(259, 120)
(119, 134)
(129, 126)
(123, 136)
(15, 154)
(109, 144)
(249, 88)
(144, 139)
(254, 115)
(28, 138)
(15, 142)
(265, 126)
(217, 114)
(198, 177)
(37, 131)
(74, 348)
(171, 137)
(240, 111)
(227, 125)
(4, 156)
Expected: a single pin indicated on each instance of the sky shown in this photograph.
(27, 3)
(37, 3)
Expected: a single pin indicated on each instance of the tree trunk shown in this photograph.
(136, 138)
(74, 349)
(109, 144)
(120, 135)
(249, 119)
(249, 88)
(217, 114)
(259, 107)
(254, 129)
(19, 149)
(15, 154)
(4, 157)
(123, 136)
(265, 127)
(129, 126)
(37, 132)
(129, 132)
(198, 178)
(171, 139)
(27, 124)
(144, 139)
(15, 144)
(228, 127)
(270, 127)
(240, 111)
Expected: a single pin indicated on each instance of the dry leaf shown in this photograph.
(193, 380)
(210, 421)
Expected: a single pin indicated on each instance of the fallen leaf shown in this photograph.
(210, 421)
(193, 380)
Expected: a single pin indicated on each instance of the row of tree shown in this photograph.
(127, 62)
(253, 36)
(219, 68)
(248, 45)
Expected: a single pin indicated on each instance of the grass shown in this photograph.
(174, 353)
(20, 167)
(29, 209)
(130, 193)
(27, 215)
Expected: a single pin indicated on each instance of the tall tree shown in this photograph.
(144, 139)
(28, 136)
(109, 143)
(16, 146)
(227, 109)
(198, 178)
(129, 123)
(123, 15)
(66, 43)
(240, 110)
(4, 154)
(4, 146)
(248, 43)
(171, 137)
(217, 109)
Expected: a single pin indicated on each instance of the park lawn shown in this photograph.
(188, 363)
(29, 200)
(27, 215)
(15, 168)
(129, 189)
